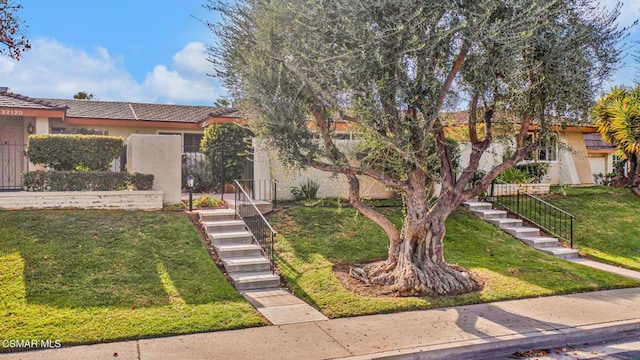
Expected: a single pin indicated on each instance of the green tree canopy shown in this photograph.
(235, 148)
(83, 95)
(391, 70)
(617, 116)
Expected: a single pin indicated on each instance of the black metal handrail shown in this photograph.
(548, 217)
(260, 189)
(261, 230)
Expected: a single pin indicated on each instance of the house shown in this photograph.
(602, 155)
(21, 116)
(574, 156)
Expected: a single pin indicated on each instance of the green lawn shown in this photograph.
(312, 240)
(95, 276)
(607, 223)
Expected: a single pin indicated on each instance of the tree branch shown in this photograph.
(353, 170)
(455, 68)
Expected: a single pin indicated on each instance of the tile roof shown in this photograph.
(140, 111)
(11, 100)
(594, 141)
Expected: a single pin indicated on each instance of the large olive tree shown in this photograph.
(391, 69)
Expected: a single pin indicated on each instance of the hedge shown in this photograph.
(85, 181)
(74, 152)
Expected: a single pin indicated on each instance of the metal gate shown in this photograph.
(206, 169)
(13, 163)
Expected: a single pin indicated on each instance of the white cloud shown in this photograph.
(192, 59)
(53, 69)
(187, 80)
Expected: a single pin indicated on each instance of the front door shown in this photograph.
(12, 158)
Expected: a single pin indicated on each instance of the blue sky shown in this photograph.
(134, 50)
(139, 50)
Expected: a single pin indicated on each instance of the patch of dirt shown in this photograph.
(341, 272)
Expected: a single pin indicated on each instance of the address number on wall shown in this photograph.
(11, 112)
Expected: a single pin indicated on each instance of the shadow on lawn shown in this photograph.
(112, 259)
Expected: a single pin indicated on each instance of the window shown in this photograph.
(547, 148)
(190, 141)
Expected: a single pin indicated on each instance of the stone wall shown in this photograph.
(126, 200)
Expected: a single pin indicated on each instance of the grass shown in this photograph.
(312, 240)
(606, 225)
(97, 276)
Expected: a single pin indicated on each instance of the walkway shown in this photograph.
(464, 332)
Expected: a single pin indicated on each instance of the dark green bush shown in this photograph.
(74, 152)
(535, 171)
(85, 181)
(141, 181)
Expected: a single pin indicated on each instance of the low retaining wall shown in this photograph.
(126, 200)
(510, 189)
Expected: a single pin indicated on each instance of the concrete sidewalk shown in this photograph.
(464, 332)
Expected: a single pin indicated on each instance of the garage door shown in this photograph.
(598, 165)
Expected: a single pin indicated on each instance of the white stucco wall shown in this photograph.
(159, 155)
(267, 166)
(572, 166)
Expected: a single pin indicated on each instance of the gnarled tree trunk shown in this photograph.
(416, 264)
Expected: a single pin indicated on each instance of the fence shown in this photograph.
(206, 169)
(548, 217)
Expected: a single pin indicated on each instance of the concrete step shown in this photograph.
(490, 214)
(561, 252)
(505, 222)
(477, 205)
(255, 280)
(246, 264)
(224, 226)
(217, 215)
(263, 207)
(226, 251)
(237, 238)
(539, 242)
(522, 231)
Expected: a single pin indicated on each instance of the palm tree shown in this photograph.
(617, 117)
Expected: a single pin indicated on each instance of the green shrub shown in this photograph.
(305, 191)
(208, 201)
(74, 152)
(85, 181)
(141, 181)
(534, 171)
(514, 176)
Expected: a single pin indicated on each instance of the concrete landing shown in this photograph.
(280, 307)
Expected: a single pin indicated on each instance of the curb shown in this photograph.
(493, 348)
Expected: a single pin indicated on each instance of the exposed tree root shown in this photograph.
(432, 280)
